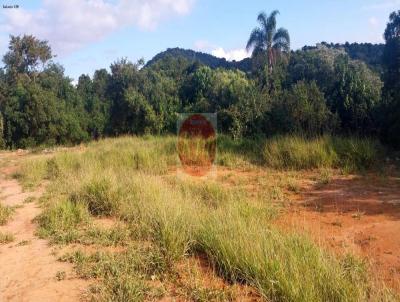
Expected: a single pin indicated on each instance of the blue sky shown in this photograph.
(87, 35)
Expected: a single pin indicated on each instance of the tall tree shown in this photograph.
(391, 90)
(268, 40)
(38, 104)
(25, 55)
(391, 57)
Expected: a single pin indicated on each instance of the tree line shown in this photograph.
(312, 91)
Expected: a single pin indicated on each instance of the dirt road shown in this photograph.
(28, 268)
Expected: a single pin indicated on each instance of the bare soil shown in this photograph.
(360, 215)
(347, 214)
(28, 266)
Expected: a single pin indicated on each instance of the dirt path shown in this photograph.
(28, 267)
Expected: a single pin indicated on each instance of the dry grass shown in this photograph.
(5, 214)
(164, 219)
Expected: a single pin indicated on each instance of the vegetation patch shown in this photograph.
(6, 238)
(294, 152)
(122, 275)
(163, 220)
(5, 214)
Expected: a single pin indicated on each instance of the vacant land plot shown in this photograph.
(261, 228)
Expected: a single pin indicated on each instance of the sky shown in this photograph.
(90, 34)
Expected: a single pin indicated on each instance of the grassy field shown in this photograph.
(157, 221)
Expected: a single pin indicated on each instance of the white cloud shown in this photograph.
(69, 25)
(230, 55)
(220, 52)
(373, 22)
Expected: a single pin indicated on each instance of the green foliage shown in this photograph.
(309, 275)
(390, 114)
(187, 56)
(318, 90)
(356, 95)
(39, 106)
(270, 47)
(316, 64)
(268, 40)
(371, 54)
(352, 91)
(301, 110)
(25, 54)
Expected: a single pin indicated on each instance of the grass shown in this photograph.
(122, 274)
(29, 199)
(5, 214)
(282, 267)
(324, 177)
(298, 153)
(6, 238)
(164, 219)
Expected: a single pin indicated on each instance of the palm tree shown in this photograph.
(267, 39)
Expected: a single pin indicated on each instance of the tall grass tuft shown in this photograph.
(99, 195)
(5, 213)
(293, 152)
(60, 221)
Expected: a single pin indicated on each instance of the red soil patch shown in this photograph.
(353, 214)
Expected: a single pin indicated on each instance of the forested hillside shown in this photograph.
(371, 54)
(313, 91)
(203, 58)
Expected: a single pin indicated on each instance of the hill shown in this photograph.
(203, 58)
(369, 53)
